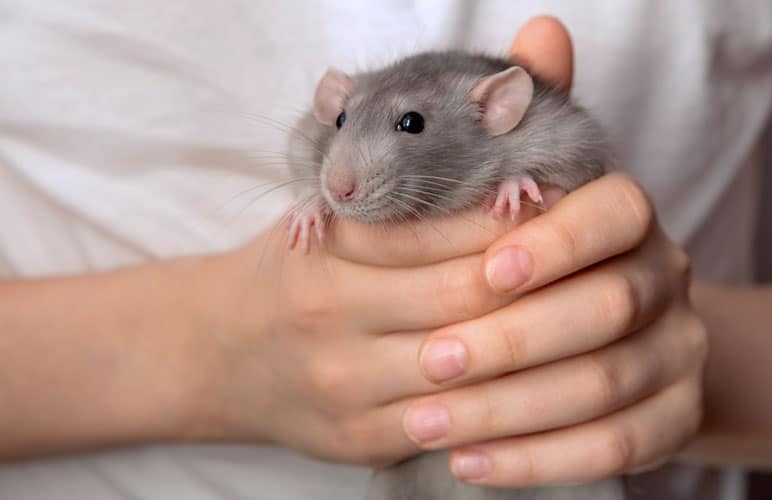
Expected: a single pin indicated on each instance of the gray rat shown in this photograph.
(433, 133)
(436, 133)
(427, 477)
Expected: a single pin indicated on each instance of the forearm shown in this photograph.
(97, 360)
(737, 425)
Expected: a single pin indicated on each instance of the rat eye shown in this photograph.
(412, 123)
(341, 119)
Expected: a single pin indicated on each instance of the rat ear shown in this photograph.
(331, 91)
(504, 98)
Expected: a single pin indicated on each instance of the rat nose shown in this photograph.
(342, 184)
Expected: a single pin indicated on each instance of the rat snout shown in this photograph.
(342, 184)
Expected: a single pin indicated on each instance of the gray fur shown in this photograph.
(427, 477)
(557, 142)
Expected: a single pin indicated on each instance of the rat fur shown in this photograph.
(486, 133)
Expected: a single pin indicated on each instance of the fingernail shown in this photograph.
(426, 422)
(443, 359)
(509, 268)
(471, 466)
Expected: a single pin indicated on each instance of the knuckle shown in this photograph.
(461, 294)
(691, 429)
(682, 265)
(617, 451)
(565, 239)
(490, 416)
(357, 437)
(690, 425)
(331, 383)
(636, 202)
(511, 337)
(527, 470)
(695, 422)
(604, 381)
(696, 337)
(620, 304)
(311, 308)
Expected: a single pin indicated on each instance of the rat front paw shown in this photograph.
(302, 220)
(508, 196)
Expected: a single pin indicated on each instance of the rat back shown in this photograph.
(427, 477)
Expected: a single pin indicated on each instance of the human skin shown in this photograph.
(332, 353)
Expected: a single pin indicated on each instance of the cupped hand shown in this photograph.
(558, 363)
(318, 352)
(595, 370)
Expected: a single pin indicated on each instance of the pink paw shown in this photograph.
(508, 195)
(303, 219)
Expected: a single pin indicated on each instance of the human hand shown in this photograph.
(601, 350)
(318, 352)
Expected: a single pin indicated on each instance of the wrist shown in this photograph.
(735, 428)
(170, 358)
(224, 375)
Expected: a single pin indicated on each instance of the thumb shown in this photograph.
(544, 46)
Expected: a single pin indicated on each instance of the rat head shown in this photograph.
(415, 138)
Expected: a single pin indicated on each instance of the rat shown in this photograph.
(427, 477)
(436, 133)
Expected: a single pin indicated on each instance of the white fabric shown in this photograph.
(124, 136)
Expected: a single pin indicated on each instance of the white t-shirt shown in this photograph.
(125, 136)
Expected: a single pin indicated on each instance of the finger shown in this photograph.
(544, 46)
(601, 306)
(629, 439)
(418, 242)
(602, 219)
(559, 394)
(374, 298)
(415, 298)
(390, 369)
(371, 437)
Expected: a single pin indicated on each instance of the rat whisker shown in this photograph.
(361, 155)
(445, 211)
(286, 159)
(281, 184)
(439, 196)
(436, 194)
(440, 178)
(266, 158)
(264, 193)
(406, 206)
(442, 192)
(265, 151)
(420, 218)
(472, 188)
(289, 129)
(273, 163)
(423, 202)
(446, 187)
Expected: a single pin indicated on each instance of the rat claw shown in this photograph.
(292, 237)
(509, 194)
(305, 222)
(529, 186)
(305, 237)
(319, 226)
